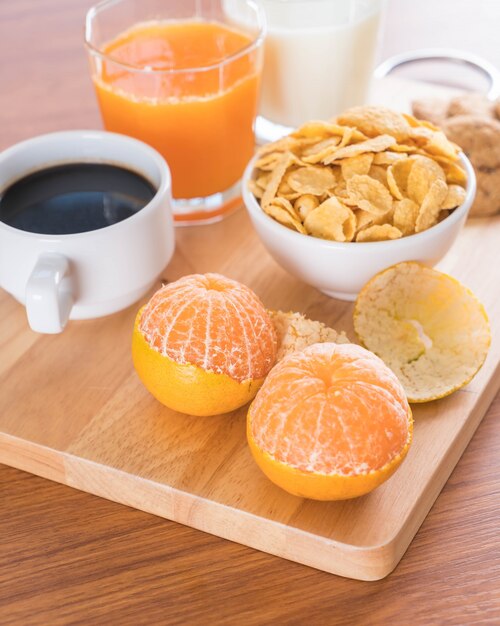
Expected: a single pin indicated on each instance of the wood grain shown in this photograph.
(67, 557)
(99, 430)
(71, 558)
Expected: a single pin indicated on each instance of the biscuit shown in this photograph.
(479, 137)
(471, 104)
(496, 108)
(434, 110)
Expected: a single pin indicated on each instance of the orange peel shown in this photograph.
(426, 326)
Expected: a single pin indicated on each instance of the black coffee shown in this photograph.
(74, 198)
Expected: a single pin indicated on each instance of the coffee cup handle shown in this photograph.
(49, 294)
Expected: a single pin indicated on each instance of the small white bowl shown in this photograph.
(341, 269)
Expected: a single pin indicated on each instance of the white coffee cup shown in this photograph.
(94, 273)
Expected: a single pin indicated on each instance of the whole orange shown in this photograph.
(331, 422)
(203, 344)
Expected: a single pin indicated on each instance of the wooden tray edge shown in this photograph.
(366, 563)
(362, 563)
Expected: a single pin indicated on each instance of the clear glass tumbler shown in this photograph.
(319, 60)
(184, 77)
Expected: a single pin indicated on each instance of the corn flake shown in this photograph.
(331, 220)
(423, 173)
(369, 194)
(320, 150)
(431, 206)
(277, 174)
(378, 172)
(405, 215)
(287, 206)
(283, 216)
(380, 232)
(305, 204)
(311, 179)
(356, 165)
(454, 197)
(376, 144)
(440, 145)
(376, 120)
(285, 144)
(397, 177)
(268, 161)
(388, 157)
(255, 189)
(363, 219)
(319, 128)
(454, 172)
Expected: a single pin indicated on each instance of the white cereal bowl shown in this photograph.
(340, 270)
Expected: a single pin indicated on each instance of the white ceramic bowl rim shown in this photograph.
(97, 136)
(294, 236)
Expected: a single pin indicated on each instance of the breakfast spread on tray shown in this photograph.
(328, 419)
(473, 121)
(371, 174)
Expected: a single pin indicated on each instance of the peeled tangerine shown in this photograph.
(203, 344)
(427, 327)
(330, 422)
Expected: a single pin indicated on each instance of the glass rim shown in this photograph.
(255, 43)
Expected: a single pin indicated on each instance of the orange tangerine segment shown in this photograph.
(203, 344)
(330, 422)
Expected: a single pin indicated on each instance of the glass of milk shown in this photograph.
(319, 59)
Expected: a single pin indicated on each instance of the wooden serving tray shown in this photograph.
(73, 410)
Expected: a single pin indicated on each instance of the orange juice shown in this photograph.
(189, 89)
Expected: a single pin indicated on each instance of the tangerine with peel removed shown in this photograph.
(203, 344)
(426, 326)
(330, 422)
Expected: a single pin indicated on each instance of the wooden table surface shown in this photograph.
(67, 557)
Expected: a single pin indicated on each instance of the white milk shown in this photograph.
(319, 57)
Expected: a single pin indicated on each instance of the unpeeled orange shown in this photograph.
(203, 344)
(330, 422)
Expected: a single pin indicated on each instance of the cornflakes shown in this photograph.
(372, 174)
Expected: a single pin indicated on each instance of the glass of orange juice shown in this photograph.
(183, 76)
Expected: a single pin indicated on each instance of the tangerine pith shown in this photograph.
(330, 422)
(203, 344)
